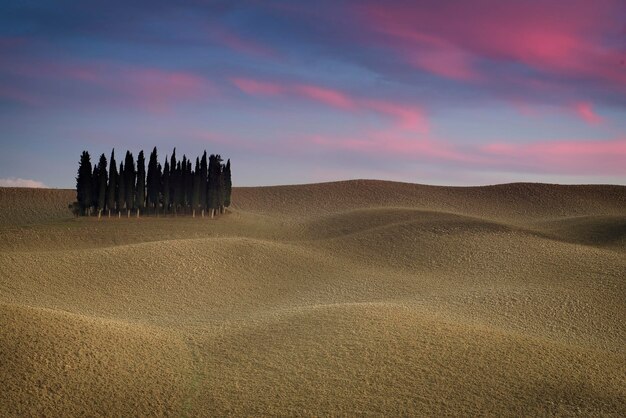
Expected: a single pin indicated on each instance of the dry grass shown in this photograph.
(348, 298)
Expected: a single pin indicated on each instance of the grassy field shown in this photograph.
(347, 298)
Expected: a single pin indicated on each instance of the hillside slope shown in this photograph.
(359, 297)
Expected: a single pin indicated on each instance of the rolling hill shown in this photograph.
(348, 298)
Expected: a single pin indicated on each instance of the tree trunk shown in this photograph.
(119, 214)
(109, 212)
(203, 213)
(212, 213)
(99, 213)
(128, 213)
(193, 213)
(137, 213)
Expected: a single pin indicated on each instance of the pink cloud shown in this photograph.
(406, 116)
(565, 156)
(152, 88)
(447, 40)
(254, 87)
(586, 113)
(410, 117)
(18, 182)
(599, 157)
(323, 95)
(240, 44)
(451, 64)
(394, 143)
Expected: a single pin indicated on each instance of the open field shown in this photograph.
(358, 297)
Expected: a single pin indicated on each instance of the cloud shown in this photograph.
(240, 44)
(255, 87)
(151, 88)
(586, 113)
(524, 32)
(562, 156)
(407, 117)
(18, 182)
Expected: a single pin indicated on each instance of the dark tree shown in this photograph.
(178, 190)
(154, 179)
(211, 182)
(214, 193)
(159, 176)
(112, 183)
(220, 188)
(165, 186)
(121, 190)
(130, 175)
(195, 196)
(140, 194)
(183, 184)
(228, 184)
(95, 185)
(102, 184)
(173, 181)
(204, 174)
(84, 183)
(189, 184)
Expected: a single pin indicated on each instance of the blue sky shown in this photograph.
(295, 92)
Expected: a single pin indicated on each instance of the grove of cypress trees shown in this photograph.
(112, 183)
(140, 194)
(129, 166)
(121, 190)
(102, 184)
(84, 183)
(176, 185)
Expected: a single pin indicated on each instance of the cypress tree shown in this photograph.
(195, 198)
(183, 183)
(159, 186)
(121, 190)
(220, 188)
(189, 183)
(102, 184)
(204, 173)
(83, 182)
(178, 190)
(153, 180)
(228, 184)
(130, 175)
(95, 188)
(166, 186)
(214, 183)
(112, 183)
(140, 194)
(173, 182)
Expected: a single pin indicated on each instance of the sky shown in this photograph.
(434, 91)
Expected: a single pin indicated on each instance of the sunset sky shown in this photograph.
(436, 92)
